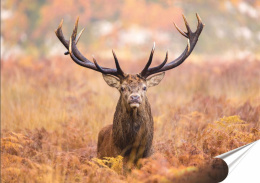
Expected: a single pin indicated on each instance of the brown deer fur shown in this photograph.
(131, 134)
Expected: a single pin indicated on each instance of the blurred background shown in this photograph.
(130, 27)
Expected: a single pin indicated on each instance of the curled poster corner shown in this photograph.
(243, 163)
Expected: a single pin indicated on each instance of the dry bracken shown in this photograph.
(50, 122)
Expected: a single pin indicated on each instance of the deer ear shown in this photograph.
(111, 80)
(154, 79)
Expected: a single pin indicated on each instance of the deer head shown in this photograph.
(132, 87)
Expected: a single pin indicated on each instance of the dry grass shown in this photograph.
(52, 111)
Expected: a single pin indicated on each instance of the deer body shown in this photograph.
(131, 133)
(133, 130)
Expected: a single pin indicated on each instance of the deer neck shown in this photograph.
(132, 123)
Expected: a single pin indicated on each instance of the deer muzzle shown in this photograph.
(134, 100)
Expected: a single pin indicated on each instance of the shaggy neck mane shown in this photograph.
(132, 125)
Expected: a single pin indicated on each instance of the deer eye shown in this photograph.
(144, 88)
(122, 88)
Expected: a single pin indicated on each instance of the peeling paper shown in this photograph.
(243, 164)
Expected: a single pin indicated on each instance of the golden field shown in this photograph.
(52, 111)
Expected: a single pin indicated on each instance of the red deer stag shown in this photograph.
(131, 133)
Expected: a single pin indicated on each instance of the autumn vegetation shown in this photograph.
(52, 111)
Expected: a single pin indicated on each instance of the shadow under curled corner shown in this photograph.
(213, 171)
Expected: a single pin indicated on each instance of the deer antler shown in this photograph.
(79, 59)
(192, 40)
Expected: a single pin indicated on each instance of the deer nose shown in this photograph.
(134, 100)
(135, 97)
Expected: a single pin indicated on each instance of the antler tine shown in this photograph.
(199, 19)
(200, 24)
(75, 30)
(186, 24)
(75, 59)
(188, 46)
(59, 34)
(117, 64)
(79, 35)
(154, 69)
(77, 39)
(191, 43)
(180, 31)
(144, 71)
(98, 67)
(89, 64)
